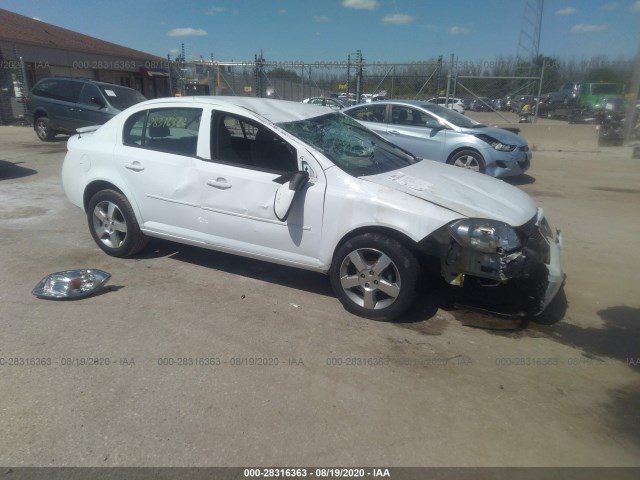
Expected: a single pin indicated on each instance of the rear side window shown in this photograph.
(169, 130)
(58, 89)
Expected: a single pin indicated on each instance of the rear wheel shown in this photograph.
(374, 276)
(44, 130)
(469, 159)
(113, 224)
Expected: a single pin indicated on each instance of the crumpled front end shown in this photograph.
(524, 261)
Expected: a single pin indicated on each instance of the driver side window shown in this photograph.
(88, 92)
(240, 141)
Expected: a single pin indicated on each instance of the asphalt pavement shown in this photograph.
(197, 358)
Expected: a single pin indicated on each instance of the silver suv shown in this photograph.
(62, 104)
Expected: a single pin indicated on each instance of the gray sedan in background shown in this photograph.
(437, 133)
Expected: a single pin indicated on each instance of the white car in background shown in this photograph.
(333, 103)
(455, 104)
(308, 187)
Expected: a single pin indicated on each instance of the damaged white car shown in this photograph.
(308, 187)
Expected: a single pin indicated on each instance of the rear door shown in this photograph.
(158, 159)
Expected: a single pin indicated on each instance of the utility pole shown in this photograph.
(170, 79)
(359, 76)
(438, 78)
(259, 75)
(348, 76)
(449, 79)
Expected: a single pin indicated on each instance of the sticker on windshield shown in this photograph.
(110, 93)
(413, 183)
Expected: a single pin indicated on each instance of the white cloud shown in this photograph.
(360, 4)
(282, 11)
(37, 18)
(456, 30)
(610, 6)
(635, 7)
(588, 28)
(174, 51)
(566, 11)
(186, 32)
(214, 10)
(398, 18)
(321, 19)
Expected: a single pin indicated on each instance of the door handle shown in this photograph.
(135, 166)
(220, 183)
(394, 132)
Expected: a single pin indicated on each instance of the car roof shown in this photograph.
(82, 79)
(273, 110)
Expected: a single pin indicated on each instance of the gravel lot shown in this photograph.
(199, 358)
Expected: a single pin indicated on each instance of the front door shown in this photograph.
(417, 132)
(238, 193)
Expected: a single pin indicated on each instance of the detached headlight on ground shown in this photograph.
(498, 145)
(71, 284)
(487, 236)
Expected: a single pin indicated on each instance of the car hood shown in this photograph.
(463, 191)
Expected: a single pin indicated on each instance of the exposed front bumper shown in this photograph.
(556, 276)
(524, 281)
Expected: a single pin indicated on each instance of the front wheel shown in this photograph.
(113, 224)
(469, 159)
(374, 276)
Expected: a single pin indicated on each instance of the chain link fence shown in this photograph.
(12, 89)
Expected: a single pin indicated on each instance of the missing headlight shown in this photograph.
(71, 284)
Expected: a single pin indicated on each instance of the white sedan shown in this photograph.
(308, 187)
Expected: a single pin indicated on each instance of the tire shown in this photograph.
(113, 224)
(43, 129)
(469, 159)
(374, 276)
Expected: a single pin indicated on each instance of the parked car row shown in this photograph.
(514, 103)
(576, 99)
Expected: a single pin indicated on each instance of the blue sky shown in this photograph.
(328, 30)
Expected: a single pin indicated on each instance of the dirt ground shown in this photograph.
(196, 358)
